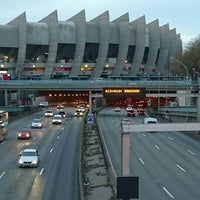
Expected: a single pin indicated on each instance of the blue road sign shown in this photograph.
(90, 118)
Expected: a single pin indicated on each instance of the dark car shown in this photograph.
(63, 114)
(131, 113)
(24, 133)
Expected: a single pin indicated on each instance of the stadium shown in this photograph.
(80, 49)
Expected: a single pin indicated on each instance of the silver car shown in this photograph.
(29, 158)
(37, 123)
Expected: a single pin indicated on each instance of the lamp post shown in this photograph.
(187, 72)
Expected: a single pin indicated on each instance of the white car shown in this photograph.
(57, 119)
(43, 104)
(117, 109)
(29, 158)
(78, 113)
(37, 123)
(48, 113)
(125, 121)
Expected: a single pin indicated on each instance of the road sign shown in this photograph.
(90, 118)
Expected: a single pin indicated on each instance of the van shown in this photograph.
(150, 120)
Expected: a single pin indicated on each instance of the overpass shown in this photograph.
(68, 84)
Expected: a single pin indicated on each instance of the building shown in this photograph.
(77, 48)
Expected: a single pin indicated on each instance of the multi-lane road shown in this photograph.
(167, 163)
(56, 177)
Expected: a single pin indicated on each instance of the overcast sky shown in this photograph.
(180, 14)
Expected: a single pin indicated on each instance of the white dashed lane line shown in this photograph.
(1, 176)
(181, 168)
(170, 138)
(191, 152)
(165, 189)
(157, 147)
(41, 171)
(140, 159)
(51, 150)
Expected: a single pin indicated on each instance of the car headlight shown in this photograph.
(20, 161)
(35, 161)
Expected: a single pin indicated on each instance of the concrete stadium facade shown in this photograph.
(51, 49)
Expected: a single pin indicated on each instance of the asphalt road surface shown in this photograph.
(167, 163)
(56, 177)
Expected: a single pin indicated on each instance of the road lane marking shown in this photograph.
(141, 161)
(170, 138)
(191, 152)
(41, 171)
(181, 168)
(34, 138)
(143, 134)
(58, 137)
(3, 142)
(51, 150)
(1, 176)
(165, 189)
(157, 147)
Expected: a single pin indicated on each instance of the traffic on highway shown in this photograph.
(43, 162)
(167, 163)
(45, 165)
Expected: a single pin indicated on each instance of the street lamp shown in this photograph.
(187, 72)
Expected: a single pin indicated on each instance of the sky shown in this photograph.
(182, 15)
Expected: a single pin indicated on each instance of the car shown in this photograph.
(57, 119)
(48, 113)
(117, 109)
(81, 109)
(129, 107)
(29, 158)
(60, 106)
(78, 113)
(43, 104)
(141, 112)
(131, 113)
(150, 120)
(125, 121)
(63, 114)
(37, 123)
(24, 133)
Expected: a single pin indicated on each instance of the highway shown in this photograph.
(167, 163)
(56, 177)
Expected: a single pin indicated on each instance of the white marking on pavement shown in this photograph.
(181, 168)
(1, 176)
(141, 161)
(165, 189)
(157, 147)
(41, 171)
(51, 150)
(58, 137)
(34, 138)
(143, 134)
(170, 138)
(191, 152)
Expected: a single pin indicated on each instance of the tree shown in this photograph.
(190, 58)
